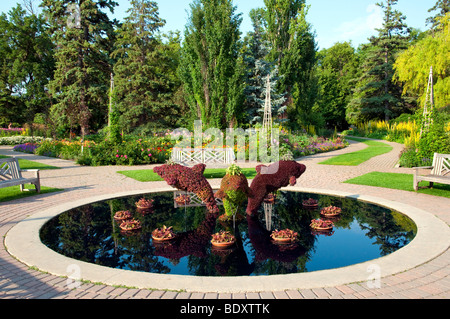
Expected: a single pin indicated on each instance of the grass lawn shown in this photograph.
(26, 164)
(13, 192)
(355, 158)
(399, 181)
(147, 175)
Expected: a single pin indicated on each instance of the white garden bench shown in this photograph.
(11, 175)
(440, 171)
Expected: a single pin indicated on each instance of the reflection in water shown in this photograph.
(362, 232)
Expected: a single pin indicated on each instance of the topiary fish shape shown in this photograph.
(269, 179)
(191, 180)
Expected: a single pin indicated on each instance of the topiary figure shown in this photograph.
(190, 180)
(233, 191)
(271, 178)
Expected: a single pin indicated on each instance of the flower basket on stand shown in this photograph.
(122, 215)
(310, 203)
(284, 236)
(321, 225)
(331, 211)
(163, 234)
(144, 203)
(183, 200)
(130, 225)
(223, 239)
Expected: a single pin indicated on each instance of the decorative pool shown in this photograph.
(362, 232)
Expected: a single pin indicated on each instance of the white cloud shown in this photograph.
(375, 19)
(359, 29)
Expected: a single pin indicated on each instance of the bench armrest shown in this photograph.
(423, 167)
(35, 171)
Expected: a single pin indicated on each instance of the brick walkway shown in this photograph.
(17, 281)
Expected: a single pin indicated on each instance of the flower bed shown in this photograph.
(96, 150)
(26, 148)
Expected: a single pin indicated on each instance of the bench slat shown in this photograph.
(11, 175)
(440, 172)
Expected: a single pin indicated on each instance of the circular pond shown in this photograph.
(362, 232)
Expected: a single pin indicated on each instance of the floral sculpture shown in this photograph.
(190, 180)
(233, 190)
(271, 178)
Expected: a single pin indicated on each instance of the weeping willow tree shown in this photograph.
(412, 66)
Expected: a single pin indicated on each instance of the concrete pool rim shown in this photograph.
(432, 239)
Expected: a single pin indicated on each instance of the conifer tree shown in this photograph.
(145, 71)
(294, 51)
(377, 94)
(211, 67)
(258, 69)
(83, 35)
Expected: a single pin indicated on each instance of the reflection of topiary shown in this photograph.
(190, 180)
(233, 190)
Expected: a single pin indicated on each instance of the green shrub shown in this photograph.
(409, 158)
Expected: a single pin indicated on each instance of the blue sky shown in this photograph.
(333, 20)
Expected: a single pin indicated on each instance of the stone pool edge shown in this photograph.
(432, 239)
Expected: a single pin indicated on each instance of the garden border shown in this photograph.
(432, 239)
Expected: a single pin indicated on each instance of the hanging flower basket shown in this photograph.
(331, 211)
(310, 203)
(321, 225)
(163, 234)
(130, 225)
(284, 236)
(144, 203)
(223, 239)
(122, 215)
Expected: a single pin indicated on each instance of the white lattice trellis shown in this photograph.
(194, 156)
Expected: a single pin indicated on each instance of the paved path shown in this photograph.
(17, 281)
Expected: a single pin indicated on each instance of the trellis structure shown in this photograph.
(194, 156)
(427, 119)
(267, 121)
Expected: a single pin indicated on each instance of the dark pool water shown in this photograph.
(363, 232)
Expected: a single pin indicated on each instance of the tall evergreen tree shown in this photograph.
(377, 95)
(258, 69)
(211, 67)
(83, 35)
(144, 74)
(294, 51)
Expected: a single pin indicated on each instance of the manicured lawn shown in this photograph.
(399, 181)
(374, 148)
(147, 175)
(13, 192)
(26, 164)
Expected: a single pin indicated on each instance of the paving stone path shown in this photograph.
(18, 281)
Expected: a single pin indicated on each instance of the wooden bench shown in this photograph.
(11, 175)
(440, 171)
